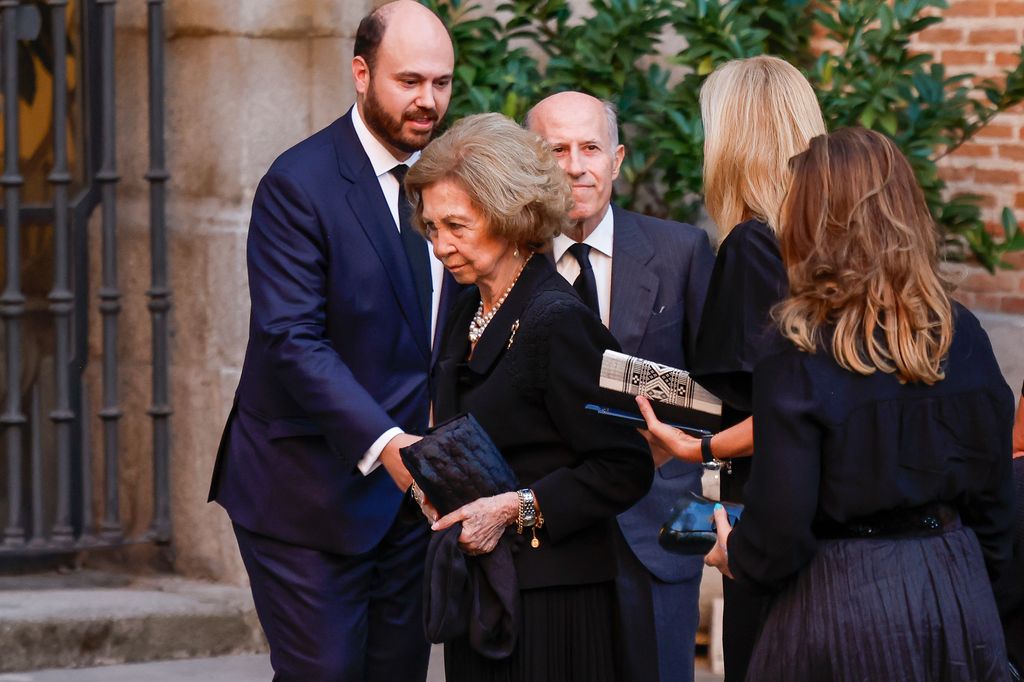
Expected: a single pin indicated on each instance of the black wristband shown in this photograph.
(705, 449)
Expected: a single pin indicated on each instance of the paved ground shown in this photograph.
(245, 668)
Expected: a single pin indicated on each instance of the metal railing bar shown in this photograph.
(36, 459)
(87, 536)
(61, 298)
(12, 301)
(109, 294)
(159, 292)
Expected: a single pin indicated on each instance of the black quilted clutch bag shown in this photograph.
(456, 463)
(690, 528)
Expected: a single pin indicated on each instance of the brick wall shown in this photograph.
(984, 37)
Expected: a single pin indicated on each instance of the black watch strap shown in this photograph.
(705, 449)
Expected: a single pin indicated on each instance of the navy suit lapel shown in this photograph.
(634, 286)
(372, 213)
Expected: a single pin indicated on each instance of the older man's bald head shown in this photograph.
(569, 101)
(583, 135)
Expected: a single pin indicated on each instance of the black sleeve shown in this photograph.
(773, 539)
(616, 468)
(748, 280)
(988, 508)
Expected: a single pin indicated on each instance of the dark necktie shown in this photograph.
(586, 283)
(415, 246)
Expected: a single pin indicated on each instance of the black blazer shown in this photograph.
(527, 382)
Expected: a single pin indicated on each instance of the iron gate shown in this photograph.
(50, 505)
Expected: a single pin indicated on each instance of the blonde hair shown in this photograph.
(757, 113)
(508, 172)
(861, 251)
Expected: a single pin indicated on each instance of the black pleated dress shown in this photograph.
(748, 280)
(839, 450)
(527, 382)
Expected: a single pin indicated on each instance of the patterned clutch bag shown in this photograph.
(674, 395)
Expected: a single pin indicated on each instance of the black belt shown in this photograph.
(930, 519)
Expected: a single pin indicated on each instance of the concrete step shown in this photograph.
(90, 618)
(239, 668)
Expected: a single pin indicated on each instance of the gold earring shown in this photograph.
(515, 254)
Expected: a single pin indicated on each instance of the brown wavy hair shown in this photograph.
(861, 250)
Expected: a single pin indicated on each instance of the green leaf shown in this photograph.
(511, 56)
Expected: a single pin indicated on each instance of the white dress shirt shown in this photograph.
(600, 242)
(383, 161)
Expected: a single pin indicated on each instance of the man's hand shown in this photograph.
(426, 507)
(392, 460)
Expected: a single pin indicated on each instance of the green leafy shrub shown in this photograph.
(867, 76)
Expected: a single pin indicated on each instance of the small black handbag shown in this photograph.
(456, 463)
(690, 528)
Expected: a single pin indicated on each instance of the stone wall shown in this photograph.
(245, 80)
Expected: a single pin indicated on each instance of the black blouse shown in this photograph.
(833, 445)
(529, 377)
(748, 280)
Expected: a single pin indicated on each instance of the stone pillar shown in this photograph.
(245, 81)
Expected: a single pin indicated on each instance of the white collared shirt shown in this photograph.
(600, 242)
(383, 161)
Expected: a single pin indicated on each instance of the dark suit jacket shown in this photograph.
(338, 352)
(660, 274)
(529, 378)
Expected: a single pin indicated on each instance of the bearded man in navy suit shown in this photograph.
(346, 301)
(646, 279)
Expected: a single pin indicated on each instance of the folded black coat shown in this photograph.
(457, 463)
(474, 595)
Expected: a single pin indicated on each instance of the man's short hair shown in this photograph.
(368, 37)
(611, 112)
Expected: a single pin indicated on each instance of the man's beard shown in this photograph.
(389, 128)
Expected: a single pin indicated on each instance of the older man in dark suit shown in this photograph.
(346, 300)
(646, 278)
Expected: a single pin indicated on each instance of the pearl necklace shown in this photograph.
(480, 320)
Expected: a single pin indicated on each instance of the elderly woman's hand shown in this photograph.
(666, 441)
(718, 557)
(483, 521)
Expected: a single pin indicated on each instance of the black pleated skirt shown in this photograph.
(565, 635)
(916, 609)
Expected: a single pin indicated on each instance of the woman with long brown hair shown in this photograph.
(881, 491)
(757, 113)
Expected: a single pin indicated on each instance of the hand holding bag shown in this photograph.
(690, 528)
(456, 463)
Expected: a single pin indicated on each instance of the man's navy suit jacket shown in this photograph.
(338, 353)
(660, 274)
